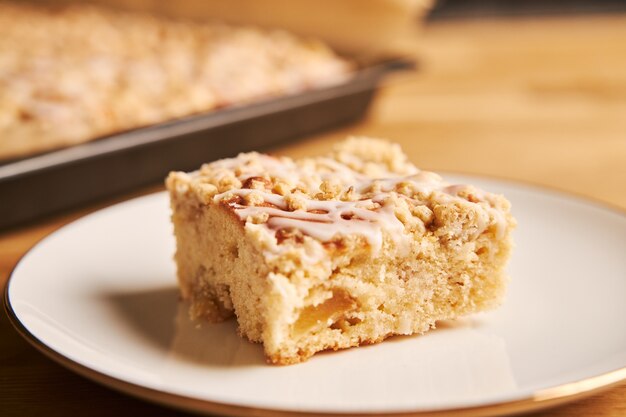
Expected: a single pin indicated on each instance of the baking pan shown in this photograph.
(476, 9)
(46, 183)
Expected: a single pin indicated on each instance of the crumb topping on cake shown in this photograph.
(335, 251)
(365, 190)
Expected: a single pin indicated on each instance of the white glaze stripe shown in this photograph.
(339, 217)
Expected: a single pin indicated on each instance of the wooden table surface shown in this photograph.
(539, 100)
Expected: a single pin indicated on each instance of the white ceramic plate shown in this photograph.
(100, 296)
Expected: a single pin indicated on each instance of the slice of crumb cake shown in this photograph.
(336, 251)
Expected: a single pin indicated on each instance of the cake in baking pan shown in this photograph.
(70, 74)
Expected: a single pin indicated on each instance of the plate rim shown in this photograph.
(537, 400)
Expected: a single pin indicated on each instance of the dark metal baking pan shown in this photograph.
(476, 9)
(44, 184)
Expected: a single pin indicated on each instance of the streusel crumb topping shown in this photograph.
(365, 189)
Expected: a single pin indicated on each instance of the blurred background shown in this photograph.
(98, 104)
(128, 90)
(483, 8)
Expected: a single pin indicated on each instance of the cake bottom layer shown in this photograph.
(360, 298)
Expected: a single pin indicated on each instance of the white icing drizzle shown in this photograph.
(425, 182)
(326, 220)
(329, 219)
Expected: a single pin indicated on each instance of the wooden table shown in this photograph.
(540, 100)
